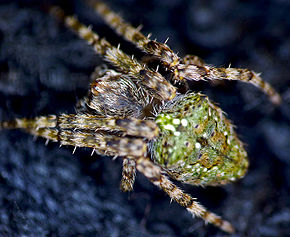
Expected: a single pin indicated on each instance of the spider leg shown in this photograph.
(128, 65)
(122, 137)
(205, 72)
(128, 175)
(194, 65)
(193, 59)
(180, 68)
(154, 174)
(116, 22)
(90, 131)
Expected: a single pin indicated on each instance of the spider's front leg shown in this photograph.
(91, 131)
(188, 68)
(83, 130)
(205, 72)
(160, 51)
(193, 59)
(107, 136)
(153, 81)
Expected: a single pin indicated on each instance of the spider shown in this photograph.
(143, 116)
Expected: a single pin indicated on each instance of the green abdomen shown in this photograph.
(197, 144)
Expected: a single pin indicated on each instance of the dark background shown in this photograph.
(44, 68)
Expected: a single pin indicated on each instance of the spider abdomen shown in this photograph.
(197, 144)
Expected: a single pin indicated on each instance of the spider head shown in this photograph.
(114, 94)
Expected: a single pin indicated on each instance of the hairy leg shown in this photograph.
(107, 136)
(154, 174)
(205, 72)
(159, 50)
(193, 59)
(190, 67)
(128, 175)
(152, 80)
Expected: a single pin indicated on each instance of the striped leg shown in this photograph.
(152, 80)
(194, 72)
(159, 50)
(153, 173)
(83, 122)
(190, 67)
(193, 59)
(90, 131)
(128, 175)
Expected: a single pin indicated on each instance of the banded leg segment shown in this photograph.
(153, 173)
(150, 79)
(159, 50)
(84, 122)
(103, 144)
(190, 67)
(121, 137)
(197, 73)
(193, 60)
(128, 175)
(125, 126)
(132, 34)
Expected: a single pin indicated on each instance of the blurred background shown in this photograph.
(45, 69)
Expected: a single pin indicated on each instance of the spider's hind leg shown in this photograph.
(154, 174)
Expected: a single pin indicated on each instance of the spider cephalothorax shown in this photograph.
(138, 114)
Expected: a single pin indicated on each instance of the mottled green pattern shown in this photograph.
(197, 144)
